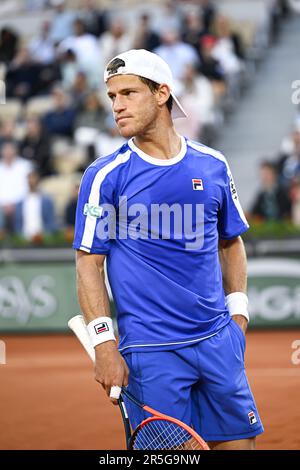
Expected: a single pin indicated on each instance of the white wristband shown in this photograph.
(237, 304)
(101, 330)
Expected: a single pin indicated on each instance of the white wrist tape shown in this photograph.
(237, 304)
(101, 330)
(115, 392)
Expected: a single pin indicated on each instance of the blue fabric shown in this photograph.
(203, 385)
(167, 293)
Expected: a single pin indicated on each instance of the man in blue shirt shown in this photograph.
(164, 212)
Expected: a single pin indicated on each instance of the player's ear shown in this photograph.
(163, 94)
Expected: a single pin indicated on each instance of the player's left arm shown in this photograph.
(233, 261)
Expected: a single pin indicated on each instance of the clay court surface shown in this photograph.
(49, 399)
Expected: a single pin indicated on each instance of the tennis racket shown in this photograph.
(159, 431)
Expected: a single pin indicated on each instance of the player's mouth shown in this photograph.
(122, 119)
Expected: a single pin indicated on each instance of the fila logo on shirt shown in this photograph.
(197, 184)
(101, 328)
(252, 417)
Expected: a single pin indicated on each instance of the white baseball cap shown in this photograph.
(148, 65)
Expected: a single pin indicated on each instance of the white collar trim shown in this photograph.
(159, 161)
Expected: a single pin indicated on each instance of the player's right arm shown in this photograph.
(97, 191)
(110, 367)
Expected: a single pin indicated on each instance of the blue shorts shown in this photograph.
(203, 385)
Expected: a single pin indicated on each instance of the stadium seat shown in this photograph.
(67, 158)
(39, 105)
(12, 109)
(60, 188)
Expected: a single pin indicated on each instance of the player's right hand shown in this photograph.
(110, 367)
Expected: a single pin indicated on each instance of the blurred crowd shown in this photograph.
(57, 118)
(279, 196)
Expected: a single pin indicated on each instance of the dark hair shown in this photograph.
(269, 164)
(154, 87)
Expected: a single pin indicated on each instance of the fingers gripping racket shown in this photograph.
(159, 431)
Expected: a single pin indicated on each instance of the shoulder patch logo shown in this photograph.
(92, 211)
(197, 184)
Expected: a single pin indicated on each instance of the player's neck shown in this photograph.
(162, 143)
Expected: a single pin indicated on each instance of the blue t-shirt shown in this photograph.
(159, 223)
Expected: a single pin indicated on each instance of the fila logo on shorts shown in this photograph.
(252, 417)
(197, 185)
(101, 328)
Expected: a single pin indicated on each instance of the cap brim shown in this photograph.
(177, 109)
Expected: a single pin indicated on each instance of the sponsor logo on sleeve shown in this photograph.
(92, 211)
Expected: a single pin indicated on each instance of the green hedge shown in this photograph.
(277, 230)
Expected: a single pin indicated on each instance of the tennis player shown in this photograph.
(164, 212)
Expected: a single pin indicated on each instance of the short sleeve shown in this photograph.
(95, 214)
(231, 219)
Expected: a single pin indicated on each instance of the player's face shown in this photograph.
(134, 106)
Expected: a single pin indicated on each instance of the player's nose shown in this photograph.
(119, 104)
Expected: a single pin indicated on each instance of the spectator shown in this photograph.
(295, 198)
(145, 37)
(62, 24)
(92, 113)
(176, 53)
(272, 201)
(193, 30)
(70, 210)
(90, 121)
(225, 34)
(79, 90)
(211, 68)
(208, 14)
(7, 131)
(8, 45)
(13, 182)
(69, 68)
(95, 20)
(34, 215)
(86, 50)
(169, 18)
(36, 146)
(110, 140)
(60, 121)
(115, 40)
(23, 76)
(289, 163)
(41, 47)
(225, 52)
(197, 98)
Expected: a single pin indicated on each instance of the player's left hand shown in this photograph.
(241, 321)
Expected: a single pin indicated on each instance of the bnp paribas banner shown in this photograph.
(37, 296)
(274, 291)
(42, 297)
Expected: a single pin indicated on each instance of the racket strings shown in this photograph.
(163, 434)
